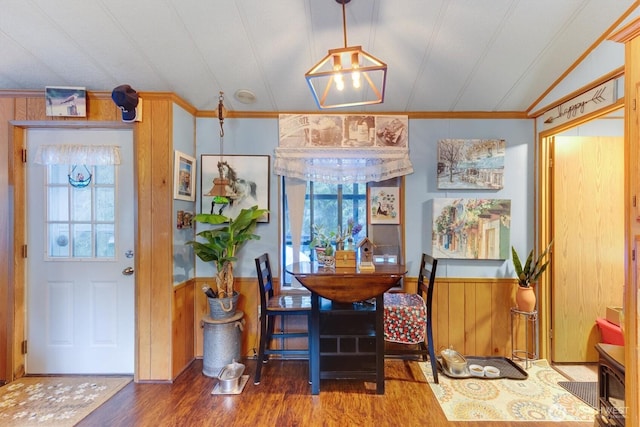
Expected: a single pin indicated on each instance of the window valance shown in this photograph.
(342, 165)
(73, 154)
(338, 149)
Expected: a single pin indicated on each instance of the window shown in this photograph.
(80, 222)
(327, 205)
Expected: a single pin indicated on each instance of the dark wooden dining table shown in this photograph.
(348, 315)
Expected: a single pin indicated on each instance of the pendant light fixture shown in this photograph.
(347, 76)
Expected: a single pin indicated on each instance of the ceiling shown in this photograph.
(442, 55)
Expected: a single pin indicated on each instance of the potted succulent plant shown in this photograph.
(528, 274)
(221, 246)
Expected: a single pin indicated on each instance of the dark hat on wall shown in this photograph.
(127, 100)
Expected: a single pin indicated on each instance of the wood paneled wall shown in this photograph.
(470, 315)
(630, 36)
(21, 110)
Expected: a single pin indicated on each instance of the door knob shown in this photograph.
(128, 271)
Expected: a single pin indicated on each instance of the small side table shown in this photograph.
(526, 355)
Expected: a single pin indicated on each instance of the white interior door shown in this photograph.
(80, 302)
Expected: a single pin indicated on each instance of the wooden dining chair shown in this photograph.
(273, 306)
(409, 315)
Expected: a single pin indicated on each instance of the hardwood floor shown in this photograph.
(284, 399)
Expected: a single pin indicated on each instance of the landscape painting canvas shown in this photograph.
(471, 164)
(471, 228)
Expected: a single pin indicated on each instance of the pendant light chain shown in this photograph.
(221, 114)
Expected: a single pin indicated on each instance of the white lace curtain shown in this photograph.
(73, 154)
(299, 162)
(342, 165)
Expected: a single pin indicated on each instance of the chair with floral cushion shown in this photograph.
(407, 316)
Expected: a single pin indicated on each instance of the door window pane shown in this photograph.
(81, 204)
(81, 221)
(58, 240)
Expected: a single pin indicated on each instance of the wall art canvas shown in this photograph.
(65, 101)
(471, 228)
(184, 173)
(247, 183)
(471, 164)
(343, 130)
(384, 205)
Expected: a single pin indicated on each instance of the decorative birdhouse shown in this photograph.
(366, 253)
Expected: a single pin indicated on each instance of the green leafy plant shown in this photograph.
(322, 239)
(532, 270)
(222, 244)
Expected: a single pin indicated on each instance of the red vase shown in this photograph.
(526, 299)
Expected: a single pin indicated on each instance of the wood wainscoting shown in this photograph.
(471, 315)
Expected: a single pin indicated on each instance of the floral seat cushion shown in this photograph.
(405, 318)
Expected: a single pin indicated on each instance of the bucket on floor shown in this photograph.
(222, 343)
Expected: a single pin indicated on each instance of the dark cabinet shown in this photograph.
(351, 340)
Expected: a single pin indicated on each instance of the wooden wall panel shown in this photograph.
(482, 326)
(17, 171)
(154, 252)
(473, 315)
(144, 250)
(470, 315)
(247, 303)
(6, 239)
(182, 326)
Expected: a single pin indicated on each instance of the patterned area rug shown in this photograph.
(538, 398)
(55, 401)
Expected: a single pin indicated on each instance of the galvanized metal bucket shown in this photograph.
(222, 343)
(223, 308)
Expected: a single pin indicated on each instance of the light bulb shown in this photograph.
(355, 77)
(339, 82)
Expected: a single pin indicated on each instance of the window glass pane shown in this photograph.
(105, 204)
(58, 240)
(105, 241)
(58, 207)
(82, 240)
(104, 174)
(81, 204)
(330, 206)
(58, 174)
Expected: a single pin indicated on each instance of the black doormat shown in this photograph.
(585, 391)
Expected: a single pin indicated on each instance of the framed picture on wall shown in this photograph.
(184, 177)
(64, 101)
(384, 205)
(245, 182)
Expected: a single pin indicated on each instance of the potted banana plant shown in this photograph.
(221, 245)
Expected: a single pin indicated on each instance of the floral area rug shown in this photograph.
(538, 398)
(55, 401)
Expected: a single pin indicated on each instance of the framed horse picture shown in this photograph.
(232, 182)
